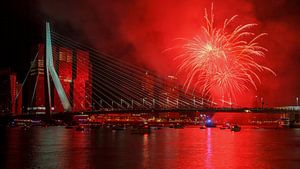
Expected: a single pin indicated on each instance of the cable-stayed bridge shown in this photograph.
(78, 78)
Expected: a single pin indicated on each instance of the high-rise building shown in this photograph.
(74, 71)
(13, 92)
(63, 63)
(148, 89)
(35, 84)
(9, 88)
(19, 99)
(172, 92)
(148, 85)
(82, 91)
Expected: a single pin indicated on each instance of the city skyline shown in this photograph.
(150, 84)
(142, 35)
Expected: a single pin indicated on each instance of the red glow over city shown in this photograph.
(134, 84)
(147, 28)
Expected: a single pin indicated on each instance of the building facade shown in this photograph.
(74, 72)
(9, 90)
(35, 84)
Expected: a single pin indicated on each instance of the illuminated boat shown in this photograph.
(235, 128)
(225, 126)
(209, 123)
(178, 126)
(284, 123)
(118, 127)
(79, 128)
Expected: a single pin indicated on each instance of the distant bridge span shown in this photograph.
(64, 115)
(190, 110)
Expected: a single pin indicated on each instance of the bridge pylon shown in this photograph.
(51, 72)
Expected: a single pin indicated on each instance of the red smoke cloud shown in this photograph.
(141, 30)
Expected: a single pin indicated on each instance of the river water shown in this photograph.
(168, 148)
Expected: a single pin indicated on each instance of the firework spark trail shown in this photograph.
(222, 59)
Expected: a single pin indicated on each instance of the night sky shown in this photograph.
(139, 31)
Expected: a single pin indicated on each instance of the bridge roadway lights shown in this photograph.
(202, 110)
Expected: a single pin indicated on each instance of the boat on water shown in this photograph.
(178, 126)
(235, 128)
(144, 129)
(202, 127)
(118, 127)
(284, 123)
(79, 128)
(225, 126)
(209, 123)
(156, 127)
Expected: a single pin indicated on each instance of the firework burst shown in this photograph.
(222, 60)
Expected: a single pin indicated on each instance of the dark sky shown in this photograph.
(19, 30)
(141, 30)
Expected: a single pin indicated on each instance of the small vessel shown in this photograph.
(118, 127)
(284, 123)
(209, 123)
(225, 126)
(156, 127)
(235, 128)
(178, 126)
(202, 127)
(79, 128)
(144, 129)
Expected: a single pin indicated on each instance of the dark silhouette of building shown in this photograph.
(9, 88)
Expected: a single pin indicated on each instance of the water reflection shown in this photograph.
(57, 147)
(146, 156)
(209, 149)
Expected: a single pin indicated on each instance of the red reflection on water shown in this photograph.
(75, 145)
(146, 155)
(15, 143)
(210, 148)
